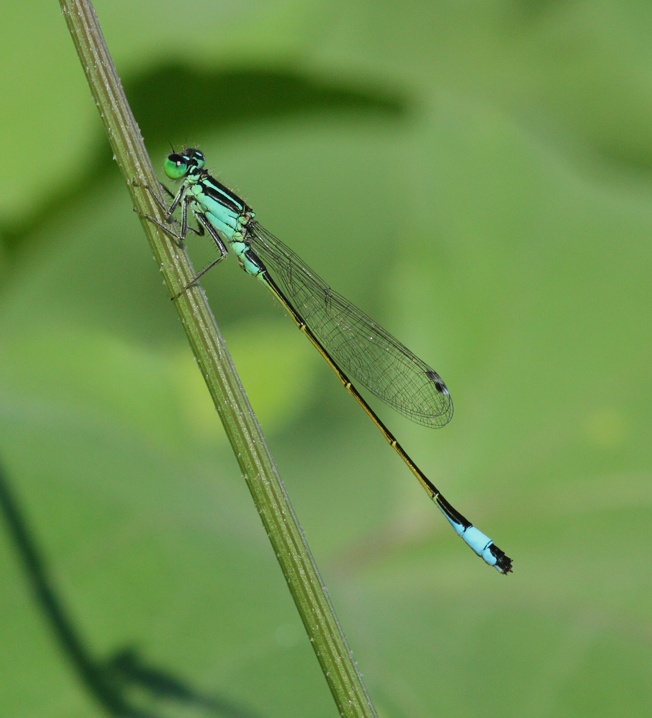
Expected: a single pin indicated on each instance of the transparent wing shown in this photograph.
(365, 351)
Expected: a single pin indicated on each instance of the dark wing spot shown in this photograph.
(439, 383)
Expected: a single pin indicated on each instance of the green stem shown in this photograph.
(240, 423)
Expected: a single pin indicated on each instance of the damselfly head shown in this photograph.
(194, 157)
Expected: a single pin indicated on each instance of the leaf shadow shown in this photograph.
(168, 97)
(111, 681)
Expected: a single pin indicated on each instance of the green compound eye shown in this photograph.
(176, 166)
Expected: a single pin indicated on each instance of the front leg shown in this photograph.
(205, 226)
(167, 211)
(179, 238)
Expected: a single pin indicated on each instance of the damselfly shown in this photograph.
(355, 347)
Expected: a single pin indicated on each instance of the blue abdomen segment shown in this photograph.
(481, 544)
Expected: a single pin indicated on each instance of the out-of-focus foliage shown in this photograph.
(475, 175)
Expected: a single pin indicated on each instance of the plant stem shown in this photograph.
(240, 423)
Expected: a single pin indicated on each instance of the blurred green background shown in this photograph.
(478, 177)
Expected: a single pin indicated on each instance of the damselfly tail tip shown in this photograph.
(501, 561)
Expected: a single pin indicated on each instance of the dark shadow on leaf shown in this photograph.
(200, 100)
(108, 683)
(129, 670)
(175, 104)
